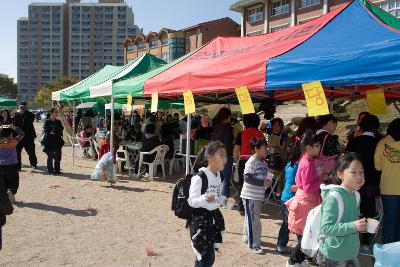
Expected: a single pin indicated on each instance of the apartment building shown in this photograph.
(95, 35)
(170, 44)
(266, 16)
(40, 45)
(70, 39)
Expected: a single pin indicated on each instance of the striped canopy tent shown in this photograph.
(350, 50)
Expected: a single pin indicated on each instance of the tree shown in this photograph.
(43, 96)
(7, 87)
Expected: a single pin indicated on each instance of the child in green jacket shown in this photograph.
(341, 243)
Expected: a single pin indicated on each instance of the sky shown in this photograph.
(151, 15)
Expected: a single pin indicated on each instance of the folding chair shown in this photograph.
(272, 193)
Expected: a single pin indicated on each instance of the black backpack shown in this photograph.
(180, 195)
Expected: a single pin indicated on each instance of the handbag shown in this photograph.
(43, 138)
(325, 163)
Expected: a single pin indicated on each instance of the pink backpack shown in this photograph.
(325, 163)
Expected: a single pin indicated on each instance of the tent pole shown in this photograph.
(73, 134)
(331, 100)
(188, 128)
(111, 178)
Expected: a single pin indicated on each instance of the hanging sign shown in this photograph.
(376, 102)
(315, 98)
(129, 104)
(190, 107)
(246, 104)
(154, 102)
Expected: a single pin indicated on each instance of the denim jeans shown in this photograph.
(391, 219)
(207, 260)
(227, 174)
(283, 237)
(56, 157)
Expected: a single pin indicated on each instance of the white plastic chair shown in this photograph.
(119, 160)
(174, 162)
(78, 145)
(158, 160)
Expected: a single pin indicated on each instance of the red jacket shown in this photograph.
(247, 135)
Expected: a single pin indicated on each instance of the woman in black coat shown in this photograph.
(53, 141)
(365, 145)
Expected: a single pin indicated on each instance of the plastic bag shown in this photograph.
(105, 163)
(387, 255)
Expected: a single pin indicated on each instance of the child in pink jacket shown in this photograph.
(307, 195)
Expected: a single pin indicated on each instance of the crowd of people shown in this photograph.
(311, 162)
(317, 170)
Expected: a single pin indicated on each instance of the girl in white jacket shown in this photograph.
(207, 222)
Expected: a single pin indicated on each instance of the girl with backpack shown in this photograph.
(341, 243)
(207, 222)
(287, 193)
(307, 195)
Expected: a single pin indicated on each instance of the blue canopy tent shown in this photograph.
(357, 50)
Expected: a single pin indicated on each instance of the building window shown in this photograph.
(307, 3)
(279, 28)
(141, 45)
(254, 33)
(280, 7)
(131, 47)
(154, 42)
(391, 6)
(164, 40)
(255, 14)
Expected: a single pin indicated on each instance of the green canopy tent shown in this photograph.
(6, 102)
(164, 104)
(100, 83)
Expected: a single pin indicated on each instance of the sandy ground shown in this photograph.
(68, 220)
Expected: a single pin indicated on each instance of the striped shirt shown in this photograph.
(255, 172)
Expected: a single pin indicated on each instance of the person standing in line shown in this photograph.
(387, 160)
(365, 146)
(24, 119)
(53, 141)
(242, 151)
(222, 131)
(253, 193)
(307, 196)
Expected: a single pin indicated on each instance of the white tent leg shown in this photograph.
(73, 134)
(111, 178)
(188, 128)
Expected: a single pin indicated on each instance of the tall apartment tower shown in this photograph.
(96, 32)
(70, 39)
(40, 47)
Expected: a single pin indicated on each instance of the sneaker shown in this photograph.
(57, 172)
(282, 250)
(34, 167)
(11, 197)
(111, 181)
(257, 250)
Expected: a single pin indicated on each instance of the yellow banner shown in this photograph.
(376, 102)
(315, 98)
(129, 104)
(246, 104)
(190, 107)
(154, 102)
